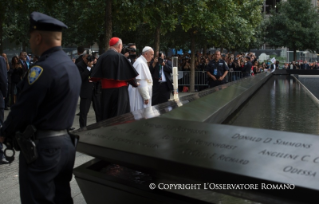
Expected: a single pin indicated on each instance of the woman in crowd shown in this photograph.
(16, 77)
(187, 65)
(254, 68)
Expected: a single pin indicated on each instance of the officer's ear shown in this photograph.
(38, 38)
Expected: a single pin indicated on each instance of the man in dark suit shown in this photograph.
(3, 93)
(162, 83)
(84, 65)
(23, 61)
(80, 54)
(305, 65)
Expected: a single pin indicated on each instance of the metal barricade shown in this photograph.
(233, 76)
(201, 78)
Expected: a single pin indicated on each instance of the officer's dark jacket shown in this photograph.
(220, 65)
(49, 101)
(87, 87)
(247, 68)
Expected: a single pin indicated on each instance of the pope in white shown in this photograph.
(141, 96)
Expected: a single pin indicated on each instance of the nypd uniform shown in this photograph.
(217, 68)
(47, 99)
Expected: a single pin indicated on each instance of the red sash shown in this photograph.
(110, 84)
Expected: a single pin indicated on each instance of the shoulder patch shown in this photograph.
(34, 74)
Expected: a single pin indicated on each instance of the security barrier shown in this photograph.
(201, 77)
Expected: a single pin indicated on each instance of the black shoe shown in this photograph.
(6, 108)
(72, 128)
(78, 113)
(4, 161)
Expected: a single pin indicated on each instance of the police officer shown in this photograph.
(247, 67)
(47, 100)
(217, 70)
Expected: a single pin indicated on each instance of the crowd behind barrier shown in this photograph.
(235, 63)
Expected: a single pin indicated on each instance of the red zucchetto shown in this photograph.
(113, 41)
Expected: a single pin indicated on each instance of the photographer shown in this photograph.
(87, 88)
(97, 91)
(161, 70)
(129, 51)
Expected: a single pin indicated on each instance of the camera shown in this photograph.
(131, 51)
(90, 58)
(160, 59)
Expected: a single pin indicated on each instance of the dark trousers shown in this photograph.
(213, 83)
(161, 93)
(114, 102)
(97, 106)
(47, 180)
(85, 104)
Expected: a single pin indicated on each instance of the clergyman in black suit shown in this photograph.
(162, 83)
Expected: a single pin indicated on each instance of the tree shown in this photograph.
(294, 26)
(5, 20)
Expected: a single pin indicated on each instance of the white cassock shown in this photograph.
(144, 90)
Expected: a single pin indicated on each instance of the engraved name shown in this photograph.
(292, 144)
(279, 154)
(232, 159)
(268, 140)
(199, 142)
(174, 128)
(247, 138)
(223, 158)
(123, 140)
(302, 172)
(129, 131)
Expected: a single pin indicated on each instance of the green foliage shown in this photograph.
(294, 26)
(230, 24)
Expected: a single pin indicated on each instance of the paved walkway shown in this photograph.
(9, 182)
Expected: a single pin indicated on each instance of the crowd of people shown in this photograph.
(234, 62)
(247, 64)
(17, 68)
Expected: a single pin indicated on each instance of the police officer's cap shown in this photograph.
(40, 21)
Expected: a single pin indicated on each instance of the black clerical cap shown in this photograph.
(40, 21)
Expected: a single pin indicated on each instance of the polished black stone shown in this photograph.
(190, 151)
(184, 148)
